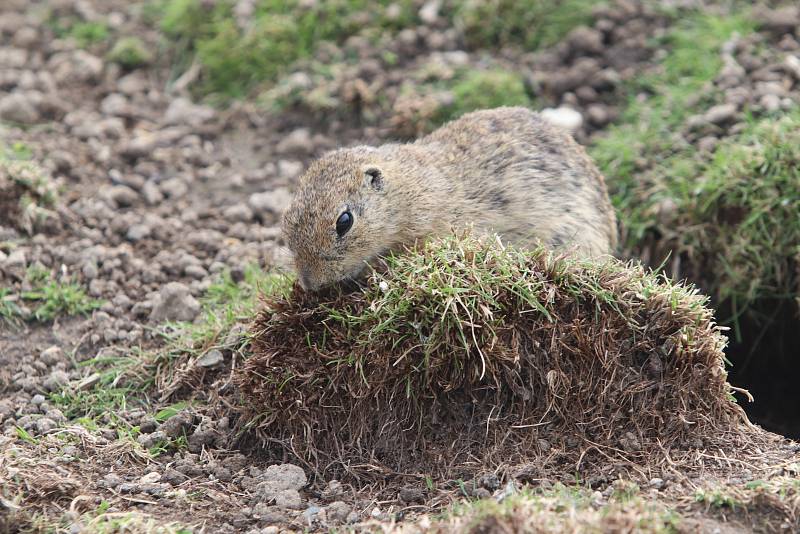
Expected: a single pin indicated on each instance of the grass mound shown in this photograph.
(472, 355)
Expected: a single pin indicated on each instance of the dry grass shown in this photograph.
(471, 356)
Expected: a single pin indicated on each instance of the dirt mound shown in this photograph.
(470, 356)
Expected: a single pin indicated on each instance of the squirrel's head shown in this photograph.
(339, 219)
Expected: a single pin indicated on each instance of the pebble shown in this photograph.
(338, 511)
(183, 111)
(270, 202)
(277, 478)
(175, 303)
(122, 196)
(238, 213)
(56, 380)
(297, 141)
(563, 117)
(289, 499)
(137, 232)
(52, 355)
(720, 114)
(18, 108)
(211, 358)
(45, 424)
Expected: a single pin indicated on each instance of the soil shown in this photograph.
(159, 194)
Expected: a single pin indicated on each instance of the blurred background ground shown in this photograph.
(147, 149)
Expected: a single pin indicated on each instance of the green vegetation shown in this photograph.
(476, 89)
(83, 32)
(528, 23)
(562, 508)
(27, 192)
(51, 297)
(741, 216)
(237, 55)
(234, 59)
(130, 53)
(649, 130)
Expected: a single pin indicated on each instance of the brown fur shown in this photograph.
(504, 170)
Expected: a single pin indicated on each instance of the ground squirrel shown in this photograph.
(503, 170)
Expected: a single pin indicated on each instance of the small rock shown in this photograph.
(177, 425)
(37, 399)
(201, 439)
(563, 117)
(411, 495)
(152, 194)
(173, 477)
(270, 202)
(792, 65)
(656, 483)
(15, 260)
(584, 40)
(238, 213)
(44, 425)
(195, 271)
(289, 169)
(297, 141)
(150, 478)
(175, 303)
(174, 188)
(429, 13)
(182, 111)
(277, 478)
(122, 195)
(56, 380)
(770, 102)
(289, 499)
(18, 108)
(111, 481)
(137, 232)
(149, 441)
(778, 21)
(52, 355)
(598, 115)
(720, 114)
(211, 358)
(338, 511)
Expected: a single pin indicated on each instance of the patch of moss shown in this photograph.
(84, 33)
(130, 53)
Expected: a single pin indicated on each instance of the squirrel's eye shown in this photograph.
(344, 222)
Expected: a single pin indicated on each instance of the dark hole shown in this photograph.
(767, 364)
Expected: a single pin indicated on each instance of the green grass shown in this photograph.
(648, 129)
(731, 216)
(130, 53)
(529, 24)
(50, 297)
(560, 509)
(84, 33)
(485, 89)
(236, 59)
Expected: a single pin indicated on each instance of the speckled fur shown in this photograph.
(504, 170)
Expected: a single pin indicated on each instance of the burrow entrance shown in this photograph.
(766, 362)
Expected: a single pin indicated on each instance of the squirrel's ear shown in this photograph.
(373, 178)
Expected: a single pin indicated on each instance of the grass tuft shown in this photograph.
(539, 347)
